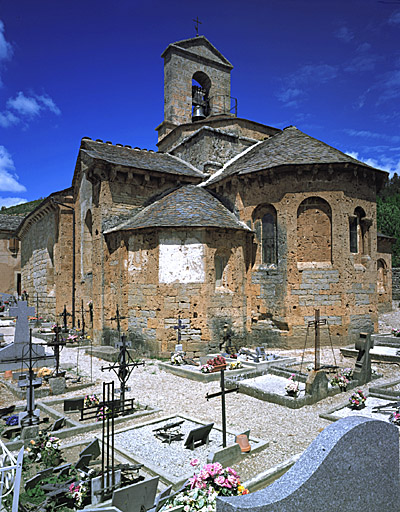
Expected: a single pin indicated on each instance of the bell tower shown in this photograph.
(197, 83)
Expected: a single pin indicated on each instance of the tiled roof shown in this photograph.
(10, 222)
(289, 147)
(188, 206)
(138, 158)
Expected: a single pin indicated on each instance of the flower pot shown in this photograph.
(218, 368)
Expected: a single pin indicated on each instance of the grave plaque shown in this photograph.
(136, 497)
(198, 436)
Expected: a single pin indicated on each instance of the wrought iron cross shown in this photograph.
(222, 394)
(197, 21)
(118, 318)
(178, 328)
(316, 323)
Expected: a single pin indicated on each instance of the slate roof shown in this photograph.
(188, 206)
(10, 222)
(289, 147)
(138, 158)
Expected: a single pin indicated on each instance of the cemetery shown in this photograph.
(134, 434)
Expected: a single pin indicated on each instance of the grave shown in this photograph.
(338, 470)
(16, 354)
(171, 462)
(386, 348)
(191, 372)
(256, 360)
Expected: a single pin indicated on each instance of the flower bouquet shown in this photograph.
(102, 413)
(207, 368)
(218, 363)
(201, 492)
(340, 380)
(348, 373)
(292, 387)
(235, 365)
(91, 400)
(395, 418)
(45, 449)
(396, 332)
(357, 400)
(177, 358)
(78, 492)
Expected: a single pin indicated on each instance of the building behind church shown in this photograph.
(229, 222)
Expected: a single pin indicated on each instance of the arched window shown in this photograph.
(314, 231)
(381, 285)
(265, 225)
(87, 243)
(201, 85)
(359, 232)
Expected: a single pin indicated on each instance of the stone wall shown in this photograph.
(396, 283)
(10, 266)
(341, 284)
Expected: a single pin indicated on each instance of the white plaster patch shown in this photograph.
(181, 261)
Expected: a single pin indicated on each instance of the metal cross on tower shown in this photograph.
(222, 394)
(197, 21)
(123, 367)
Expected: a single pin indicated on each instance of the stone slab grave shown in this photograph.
(171, 461)
(192, 372)
(353, 465)
(378, 396)
(386, 348)
(270, 386)
(264, 360)
(14, 355)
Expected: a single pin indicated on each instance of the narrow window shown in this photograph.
(220, 263)
(265, 226)
(353, 234)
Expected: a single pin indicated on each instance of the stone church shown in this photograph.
(231, 222)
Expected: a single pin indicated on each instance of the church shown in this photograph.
(230, 224)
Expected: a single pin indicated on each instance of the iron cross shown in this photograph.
(197, 21)
(222, 394)
(316, 323)
(179, 328)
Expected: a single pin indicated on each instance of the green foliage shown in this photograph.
(388, 214)
(23, 208)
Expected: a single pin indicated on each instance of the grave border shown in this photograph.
(165, 477)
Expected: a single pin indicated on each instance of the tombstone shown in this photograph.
(317, 384)
(83, 462)
(136, 497)
(339, 470)
(93, 449)
(57, 385)
(96, 486)
(58, 425)
(362, 369)
(73, 404)
(11, 356)
(198, 436)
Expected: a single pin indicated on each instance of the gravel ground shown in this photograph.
(289, 431)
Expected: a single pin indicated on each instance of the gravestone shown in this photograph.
(136, 497)
(353, 465)
(13, 355)
(73, 404)
(198, 436)
(57, 385)
(93, 449)
(317, 384)
(96, 486)
(362, 369)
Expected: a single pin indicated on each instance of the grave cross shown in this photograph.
(178, 328)
(22, 312)
(57, 345)
(64, 315)
(362, 369)
(123, 367)
(118, 318)
(222, 394)
(316, 323)
(30, 418)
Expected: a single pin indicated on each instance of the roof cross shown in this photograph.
(197, 21)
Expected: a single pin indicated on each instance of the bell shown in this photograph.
(198, 113)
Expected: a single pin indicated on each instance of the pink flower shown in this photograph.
(71, 487)
(194, 462)
(220, 480)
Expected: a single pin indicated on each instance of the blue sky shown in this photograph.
(93, 68)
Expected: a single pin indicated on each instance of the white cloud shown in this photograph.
(5, 48)
(25, 108)
(11, 201)
(395, 18)
(390, 165)
(8, 178)
(344, 34)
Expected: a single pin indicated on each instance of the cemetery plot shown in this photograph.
(194, 373)
(391, 390)
(170, 459)
(344, 410)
